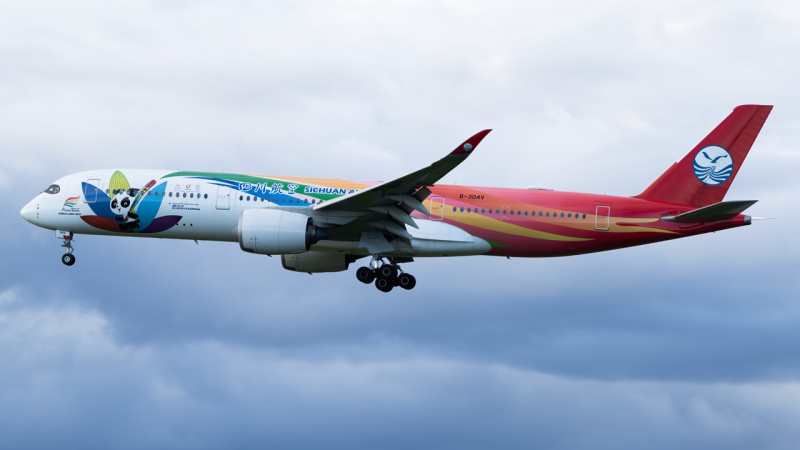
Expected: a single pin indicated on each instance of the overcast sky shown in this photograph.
(167, 344)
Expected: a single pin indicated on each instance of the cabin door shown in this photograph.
(90, 190)
(437, 208)
(223, 197)
(602, 219)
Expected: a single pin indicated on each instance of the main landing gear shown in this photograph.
(68, 258)
(386, 275)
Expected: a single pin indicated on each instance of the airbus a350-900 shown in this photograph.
(324, 225)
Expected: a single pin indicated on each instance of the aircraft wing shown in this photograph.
(392, 192)
(386, 206)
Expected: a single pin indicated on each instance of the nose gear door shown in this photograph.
(602, 219)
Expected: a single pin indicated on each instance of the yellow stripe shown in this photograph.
(327, 182)
(502, 226)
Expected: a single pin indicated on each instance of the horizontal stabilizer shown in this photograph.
(712, 213)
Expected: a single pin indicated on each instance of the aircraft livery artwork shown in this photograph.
(324, 225)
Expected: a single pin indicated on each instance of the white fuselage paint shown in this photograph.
(204, 217)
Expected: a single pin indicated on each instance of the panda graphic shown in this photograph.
(121, 205)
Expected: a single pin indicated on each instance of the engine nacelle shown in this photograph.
(276, 232)
(315, 262)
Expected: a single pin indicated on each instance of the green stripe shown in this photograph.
(254, 180)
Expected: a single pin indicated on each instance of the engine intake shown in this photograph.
(276, 232)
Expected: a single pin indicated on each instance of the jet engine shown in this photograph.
(276, 232)
(315, 262)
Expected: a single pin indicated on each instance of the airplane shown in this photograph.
(324, 225)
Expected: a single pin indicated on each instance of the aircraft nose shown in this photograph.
(25, 212)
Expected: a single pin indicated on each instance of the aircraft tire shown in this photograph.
(387, 272)
(383, 284)
(365, 275)
(406, 281)
(68, 259)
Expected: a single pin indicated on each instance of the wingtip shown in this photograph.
(469, 145)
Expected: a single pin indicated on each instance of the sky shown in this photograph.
(146, 343)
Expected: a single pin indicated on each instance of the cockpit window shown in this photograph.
(53, 189)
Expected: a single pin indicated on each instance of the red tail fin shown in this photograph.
(703, 176)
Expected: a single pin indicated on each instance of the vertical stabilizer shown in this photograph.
(703, 176)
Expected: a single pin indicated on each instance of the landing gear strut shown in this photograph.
(386, 275)
(68, 258)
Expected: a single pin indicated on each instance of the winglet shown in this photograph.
(469, 145)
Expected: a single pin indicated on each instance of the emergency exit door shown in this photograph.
(602, 218)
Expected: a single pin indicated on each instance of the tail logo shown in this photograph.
(713, 165)
(467, 147)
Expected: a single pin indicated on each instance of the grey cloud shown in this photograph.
(155, 343)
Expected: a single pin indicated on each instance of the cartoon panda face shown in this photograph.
(121, 204)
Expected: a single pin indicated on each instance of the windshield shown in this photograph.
(53, 189)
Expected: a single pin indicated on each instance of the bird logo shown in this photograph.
(713, 165)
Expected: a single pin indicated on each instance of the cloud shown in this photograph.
(76, 385)
(157, 343)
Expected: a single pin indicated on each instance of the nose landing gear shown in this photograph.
(68, 258)
(386, 275)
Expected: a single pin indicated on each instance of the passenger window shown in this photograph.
(184, 195)
(455, 209)
(205, 195)
(504, 211)
(526, 213)
(156, 194)
(497, 211)
(241, 197)
(540, 214)
(248, 198)
(483, 210)
(519, 213)
(512, 212)
(562, 215)
(313, 201)
(584, 216)
(305, 200)
(548, 213)
(191, 195)
(170, 194)
(283, 200)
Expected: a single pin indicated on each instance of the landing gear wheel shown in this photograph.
(387, 272)
(406, 281)
(68, 259)
(384, 284)
(365, 275)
